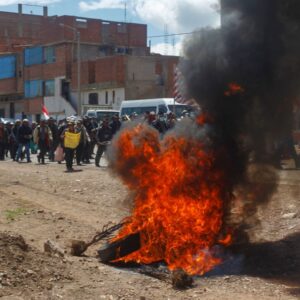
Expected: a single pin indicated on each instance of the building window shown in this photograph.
(33, 56)
(49, 55)
(93, 98)
(33, 88)
(81, 23)
(7, 66)
(106, 97)
(122, 28)
(49, 88)
(113, 97)
(122, 50)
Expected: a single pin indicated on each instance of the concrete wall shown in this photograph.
(8, 86)
(57, 106)
(50, 70)
(119, 97)
(150, 77)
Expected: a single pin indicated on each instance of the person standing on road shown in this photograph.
(69, 152)
(9, 127)
(14, 139)
(84, 139)
(42, 136)
(55, 135)
(3, 140)
(33, 146)
(91, 128)
(103, 138)
(115, 124)
(24, 137)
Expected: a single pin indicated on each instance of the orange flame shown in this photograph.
(179, 201)
(233, 89)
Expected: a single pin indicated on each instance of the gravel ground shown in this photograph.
(43, 203)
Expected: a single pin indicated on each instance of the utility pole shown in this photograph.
(77, 32)
(166, 39)
(78, 74)
(125, 12)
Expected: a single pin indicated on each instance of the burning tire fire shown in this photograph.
(187, 185)
(179, 198)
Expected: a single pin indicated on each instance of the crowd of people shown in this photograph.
(48, 138)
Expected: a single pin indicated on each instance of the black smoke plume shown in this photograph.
(253, 50)
(244, 78)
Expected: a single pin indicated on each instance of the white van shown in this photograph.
(101, 114)
(164, 105)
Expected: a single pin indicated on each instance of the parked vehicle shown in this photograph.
(101, 114)
(158, 105)
(7, 120)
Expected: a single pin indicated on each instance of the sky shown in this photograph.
(161, 16)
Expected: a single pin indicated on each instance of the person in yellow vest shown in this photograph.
(71, 140)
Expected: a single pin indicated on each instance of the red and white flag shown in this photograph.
(180, 90)
(45, 112)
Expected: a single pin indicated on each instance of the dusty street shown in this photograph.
(44, 203)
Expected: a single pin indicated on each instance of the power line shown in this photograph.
(35, 5)
(172, 34)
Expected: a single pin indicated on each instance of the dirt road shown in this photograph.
(45, 203)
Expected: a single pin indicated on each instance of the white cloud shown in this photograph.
(167, 49)
(179, 15)
(38, 2)
(94, 5)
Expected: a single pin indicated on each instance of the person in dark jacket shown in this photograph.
(9, 126)
(55, 135)
(3, 140)
(103, 137)
(115, 124)
(160, 123)
(14, 139)
(24, 137)
(84, 139)
(91, 128)
(42, 136)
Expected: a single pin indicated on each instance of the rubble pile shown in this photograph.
(26, 268)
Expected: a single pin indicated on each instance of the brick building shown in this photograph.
(39, 64)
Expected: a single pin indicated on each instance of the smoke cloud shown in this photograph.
(250, 50)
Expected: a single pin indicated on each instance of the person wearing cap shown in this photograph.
(160, 123)
(151, 118)
(171, 120)
(42, 136)
(84, 139)
(9, 126)
(3, 140)
(103, 137)
(91, 128)
(55, 136)
(115, 124)
(24, 137)
(69, 152)
(14, 139)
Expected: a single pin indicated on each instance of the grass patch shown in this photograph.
(11, 215)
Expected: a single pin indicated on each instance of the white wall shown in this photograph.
(119, 97)
(57, 106)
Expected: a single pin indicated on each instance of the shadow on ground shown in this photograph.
(278, 261)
